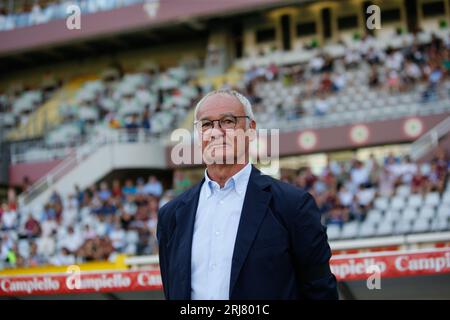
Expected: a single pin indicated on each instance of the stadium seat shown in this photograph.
(391, 215)
(421, 225)
(403, 190)
(409, 214)
(432, 199)
(397, 203)
(443, 211)
(446, 198)
(374, 216)
(350, 230)
(427, 212)
(402, 226)
(381, 203)
(367, 229)
(415, 201)
(440, 224)
(385, 228)
(333, 232)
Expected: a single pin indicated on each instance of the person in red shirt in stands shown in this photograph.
(419, 183)
(116, 189)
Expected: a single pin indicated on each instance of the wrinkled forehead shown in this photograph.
(218, 105)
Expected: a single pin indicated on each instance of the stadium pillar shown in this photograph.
(326, 23)
(286, 31)
(411, 15)
(218, 52)
(5, 161)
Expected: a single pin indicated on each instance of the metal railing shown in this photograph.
(429, 140)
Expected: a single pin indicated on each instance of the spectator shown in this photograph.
(181, 182)
(71, 241)
(117, 236)
(34, 257)
(129, 188)
(359, 175)
(32, 228)
(63, 258)
(116, 189)
(9, 218)
(153, 187)
(321, 106)
(104, 193)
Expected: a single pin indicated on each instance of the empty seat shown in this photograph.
(446, 198)
(409, 214)
(397, 203)
(439, 224)
(402, 226)
(381, 203)
(333, 231)
(367, 229)
(374, 216)
(350, 230)
(444, 211)
(391, 215)
(385, 228)
(415, 201)
(432, 199)
(427, 212)
(421, 225)
(403, 190)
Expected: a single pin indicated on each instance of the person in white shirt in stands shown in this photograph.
(407, 170)
(71, 241)
(153, 187)
(321, 106)
(117, 236)
(359, 175)
(345, 196)
(63, 258)
(9, 218)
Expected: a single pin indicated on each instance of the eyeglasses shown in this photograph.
(226, 122)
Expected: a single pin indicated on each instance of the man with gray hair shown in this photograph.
(239, 234)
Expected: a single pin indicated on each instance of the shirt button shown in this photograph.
(213, 266)
(217, 233)
(221, 201)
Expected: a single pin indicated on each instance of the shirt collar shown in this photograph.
(238, 182)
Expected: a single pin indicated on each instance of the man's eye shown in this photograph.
(227, 121)
(206, 124)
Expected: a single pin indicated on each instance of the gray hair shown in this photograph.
(233, 93)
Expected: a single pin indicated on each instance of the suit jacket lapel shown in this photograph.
(185, 218)
(253, 211)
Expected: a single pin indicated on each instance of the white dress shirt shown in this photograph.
(215, 230)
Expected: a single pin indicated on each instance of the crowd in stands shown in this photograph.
(21, 101)
(109, 219)
(390, 70)
(346, 191)
(89, 225)
(157, 101)
(34, 12)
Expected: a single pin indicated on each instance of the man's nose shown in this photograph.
(216, 130)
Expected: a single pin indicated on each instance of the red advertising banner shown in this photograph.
(81, 283)
(391, 264)
(345, 268)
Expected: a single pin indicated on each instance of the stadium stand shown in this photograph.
(61, 120)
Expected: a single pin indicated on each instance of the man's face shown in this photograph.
(221, 145)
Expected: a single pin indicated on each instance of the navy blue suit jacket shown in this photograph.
(281, 249)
